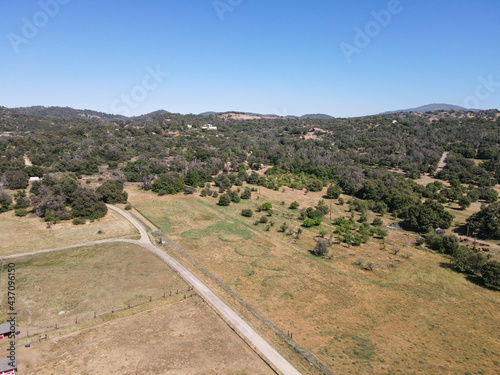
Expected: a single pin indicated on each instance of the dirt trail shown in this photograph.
(442, 162)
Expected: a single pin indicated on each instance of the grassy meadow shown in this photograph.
(419, 317)
(29, 234)
(85, 280)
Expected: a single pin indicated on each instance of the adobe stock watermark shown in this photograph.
(32, 25)
(484, 90)
(139, 93)
(363, 37)
(224, 6)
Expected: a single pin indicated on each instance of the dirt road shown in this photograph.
(243, 329)
(442, 162)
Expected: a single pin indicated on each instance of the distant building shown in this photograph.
(35, 179)
(8, 367)
(190, 126)
(209, 127)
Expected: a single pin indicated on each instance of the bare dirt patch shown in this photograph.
(82, 281)
(181, 338)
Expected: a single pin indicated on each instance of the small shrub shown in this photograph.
(395, 250)
(78, 221)
(369, 266)
(377, 222)
(294, 205)
(161, 193)
(264, 219)
(128, 207)
(265, 207)
(224, 200)
(21, 212)
(407, 255)
(247, 212)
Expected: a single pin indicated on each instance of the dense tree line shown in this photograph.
(360, 156)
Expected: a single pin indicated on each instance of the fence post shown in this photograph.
(95, 315)
(150, 298)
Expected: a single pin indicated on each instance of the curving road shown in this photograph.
(273, 357)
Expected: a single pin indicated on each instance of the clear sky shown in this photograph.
(343, 58)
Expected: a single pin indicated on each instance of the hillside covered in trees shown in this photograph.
(374, 158)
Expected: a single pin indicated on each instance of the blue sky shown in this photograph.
(344, 58)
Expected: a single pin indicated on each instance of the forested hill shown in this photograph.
(329, 149)
(67, 113)
(375, 158)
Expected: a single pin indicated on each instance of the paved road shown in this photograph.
(239, 324)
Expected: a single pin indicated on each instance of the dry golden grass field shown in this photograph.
(420, 317)
(184, 337)
(23, 234)
(86, 280)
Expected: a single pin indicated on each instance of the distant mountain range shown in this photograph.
(317, 116)
(432, 108)
(67, 113)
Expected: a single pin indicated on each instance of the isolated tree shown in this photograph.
(247, 212)
(333, 191)
(224, 200)
(321, 248)
(247, 194)
(294, 205)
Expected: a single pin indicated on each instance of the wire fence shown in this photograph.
(42, 333)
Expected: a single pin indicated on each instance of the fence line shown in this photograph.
(113, 311)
